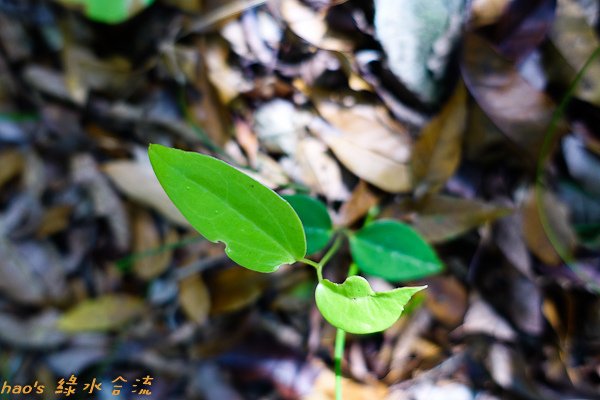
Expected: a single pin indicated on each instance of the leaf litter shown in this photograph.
(437, 121)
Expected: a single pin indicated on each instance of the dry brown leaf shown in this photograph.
(481, 318)
(84, 72)
(194, 298)
(487, 12)
(227, 80)
(360, 202)
(55, 219)
(324, 388)
(209, 112)
(522, 112)
(437, 153)
(369, 144)
(35, 333)
(446, 299)
(552, 223)
(311, 25)
(442, 218)
(576, 40)
(19, 281)
(11, 164)
(234, 288)
(151, 262)
(137, 181)
(108, 312)
(247, 140)
(319, 171)
(106, 201)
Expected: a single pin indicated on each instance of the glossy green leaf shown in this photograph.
(354, 307)
(315, 219)
(259, 228)
(109, 11)
(393, 251)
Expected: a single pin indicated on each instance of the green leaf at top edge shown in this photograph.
(261, 231)
(354, 307)
(393, 251)
(109, 11)
(315, 219)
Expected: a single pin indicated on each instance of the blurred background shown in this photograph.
(474, 121)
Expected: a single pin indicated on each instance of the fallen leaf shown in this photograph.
(194, 298)
(105, 313)
(311, 25)
(106, 201)
(279, 126)
(227, 80)
(234, 288)
(576, 40)
(486, 12)
(11, 164)
(150, 259)
(360, 202)
(437, 152)
(446, 299)
(54, 220)
(546, 226)
(137, 181)
(319, 171)
(481, 318)
(369, 144)
(521, 112)
(443, 218)
(324, 388)
(36, 333)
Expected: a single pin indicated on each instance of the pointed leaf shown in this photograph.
(261, 231)
(315, 219)
(393, 251)
(354, 307)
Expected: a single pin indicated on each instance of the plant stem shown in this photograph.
(563, 252)
(332, 250)
(340, 335)
(340, 341)
(316, 265)
(330, 253)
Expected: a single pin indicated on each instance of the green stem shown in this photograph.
(340, 341)
(564, 253)
(330, 253)
(316, 265)
(340, 336)
(332, 250)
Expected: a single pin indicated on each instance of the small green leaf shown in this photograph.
(109, 11)
(315, 219)
(354, 307)
(259, 228)
(393, 251)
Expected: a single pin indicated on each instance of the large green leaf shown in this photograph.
(109, 11)
(393, 251)
(354, 307)
(315, 219)
(259, 228)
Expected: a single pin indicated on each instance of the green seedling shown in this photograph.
(262, 230)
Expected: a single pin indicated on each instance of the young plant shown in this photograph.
(262, 231)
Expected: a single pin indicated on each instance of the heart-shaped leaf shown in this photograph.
(259, 228)
(354, 307)
(393, 251)
(315, 219)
